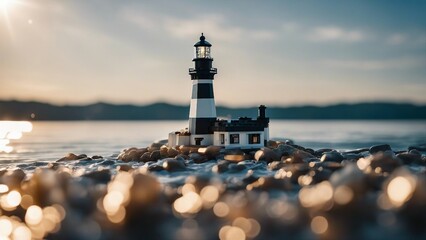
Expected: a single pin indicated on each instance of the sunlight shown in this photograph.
(4, 4)
(12, 130)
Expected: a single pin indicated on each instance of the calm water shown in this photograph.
(52, 140)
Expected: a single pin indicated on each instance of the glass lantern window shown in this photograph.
(202, 52)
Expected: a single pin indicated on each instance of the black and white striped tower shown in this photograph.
(202, 113)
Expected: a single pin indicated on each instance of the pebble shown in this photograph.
(155, 146)
(172, 152)
(321, 151)
(267, 155)
(70, 157)
(211, 152)
(351, 156)
(379, 148)
(102, 176)
(358, 151)
(171, 165)
(385, 162)
(270, 183)
(284, 149)
(332, 156)
(221, 166)
(124, 167)
(409, 158)
(155, 155)
(146, 157)
(421, 148)
(286, 189)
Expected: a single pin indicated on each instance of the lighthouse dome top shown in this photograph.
(202, 42)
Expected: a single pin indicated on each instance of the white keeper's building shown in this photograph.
(204, 127)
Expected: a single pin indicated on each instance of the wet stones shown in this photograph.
(221, 166)
(421, 147)
(211, 152)
(124, 167)
(197, 158)
(172, 152)
(13, 178)
(155, 155)
(379, 148)
(332, 156)
(131, 154)
(155, 146)
(300, 156)
(269, 183)
(384, 162)
(351, 156)
(358, 151)
(102, 176)
(236, 155)
(284, 149)
(72, 157)
(267, 155)
(171, 165)
(411, 157)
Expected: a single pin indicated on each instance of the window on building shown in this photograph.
(254, 138)
(222, 138)
(234, 138)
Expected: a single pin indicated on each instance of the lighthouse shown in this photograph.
(202, 112)
(204, 127)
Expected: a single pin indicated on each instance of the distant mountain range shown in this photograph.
(19, 110)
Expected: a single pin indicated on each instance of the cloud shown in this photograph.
(188, 27)
(214, 24)
(290, 26)
(396, 39)
(332, 33)
(371, 65)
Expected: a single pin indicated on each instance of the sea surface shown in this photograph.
(192, 196)
(48, 141)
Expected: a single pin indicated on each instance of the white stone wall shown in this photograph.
(244, 141)
(208, 139)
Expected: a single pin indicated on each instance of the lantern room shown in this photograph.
(202, 48)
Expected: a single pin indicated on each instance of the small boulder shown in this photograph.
(102, 176)
(379, 148)
(155, 155)
(386, 161)
(211, 152)
(197, 158)
(68, 157)
(221, 166)
(332, 156)
(155, 146)
(172, 152)
(285, 149)
(267, 155)
(146, 157)
(235, 157)
(172, 165)
(408, 158)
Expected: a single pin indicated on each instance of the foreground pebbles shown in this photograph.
(283, 191)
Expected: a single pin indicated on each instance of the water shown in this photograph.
(51, 140)
(197, 202)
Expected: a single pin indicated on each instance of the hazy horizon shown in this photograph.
(277, 53)
(219, 105)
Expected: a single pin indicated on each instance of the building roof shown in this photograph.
(243, 124)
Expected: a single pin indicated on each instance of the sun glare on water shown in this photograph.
(12, 130)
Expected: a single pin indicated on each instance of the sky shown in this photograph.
(277, 53)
